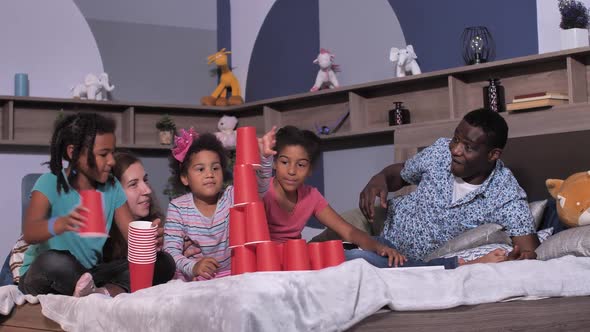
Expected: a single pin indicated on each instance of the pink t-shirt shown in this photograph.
(284, 225)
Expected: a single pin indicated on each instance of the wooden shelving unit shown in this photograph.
(436, 100)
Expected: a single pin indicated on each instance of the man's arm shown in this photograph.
(524, 247)
(389, 179)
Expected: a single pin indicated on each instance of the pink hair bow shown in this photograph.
(183, 142)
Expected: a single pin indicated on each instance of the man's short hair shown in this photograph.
(492, 124)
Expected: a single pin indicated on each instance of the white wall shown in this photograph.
(346, 172)
(548, 19)
(49, 40)
(346, 32)
(199, 14)
(246, 20)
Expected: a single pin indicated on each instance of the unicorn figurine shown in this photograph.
(326, 78)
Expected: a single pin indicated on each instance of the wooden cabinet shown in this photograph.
(436, 100)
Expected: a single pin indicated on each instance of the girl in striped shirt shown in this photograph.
(198, 164)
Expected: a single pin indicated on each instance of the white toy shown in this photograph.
(227, 133)
(326, 78)
(94, 87)
(404, 61)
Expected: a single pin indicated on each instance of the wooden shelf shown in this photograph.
(436, 100)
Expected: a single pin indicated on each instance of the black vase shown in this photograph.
(493, 96)
(399, 115)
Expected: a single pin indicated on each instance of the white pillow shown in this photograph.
(574, 241)
(480, 235)
(537, 209)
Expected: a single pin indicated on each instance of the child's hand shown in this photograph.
(190, 248)
(395, 258)
(206, 268)
(71, 222)
(267, 143)
(159, 233)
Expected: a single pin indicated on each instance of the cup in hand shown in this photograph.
(247, 151)
(95, 225)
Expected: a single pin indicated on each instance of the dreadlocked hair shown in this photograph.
(205, 142)
(79, 130)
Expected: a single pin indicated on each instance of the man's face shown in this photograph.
(472, 158)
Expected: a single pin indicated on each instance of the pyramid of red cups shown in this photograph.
(249, 238)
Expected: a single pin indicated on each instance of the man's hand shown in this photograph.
(377, 186)
(517, 254)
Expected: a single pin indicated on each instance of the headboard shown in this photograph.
(533, 159)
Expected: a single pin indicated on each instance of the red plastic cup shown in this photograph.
(237, 226)
(256, 225)
(95, 225)
(333, 253)
(243, 259)
(141, 275)
(315, 255)
(280, 247)
(267, 258)
(245, 185)
(247, 151)
(296, 257)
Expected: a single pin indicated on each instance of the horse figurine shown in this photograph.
(226, 80)
(404, 60)
(326, 78)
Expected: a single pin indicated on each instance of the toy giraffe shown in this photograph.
(227, 80)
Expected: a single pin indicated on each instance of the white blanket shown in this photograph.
(332, 299)
(10, 295)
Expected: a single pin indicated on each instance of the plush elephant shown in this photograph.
(404, 61)
(94, 87)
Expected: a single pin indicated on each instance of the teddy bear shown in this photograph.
(227, 133)
(572, 198)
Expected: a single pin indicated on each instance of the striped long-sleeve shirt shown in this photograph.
(209, 234)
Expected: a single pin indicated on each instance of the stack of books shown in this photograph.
(536, 100)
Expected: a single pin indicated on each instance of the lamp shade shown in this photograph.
(477, 45)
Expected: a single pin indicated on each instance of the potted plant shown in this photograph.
(167, 128)
(574, 24)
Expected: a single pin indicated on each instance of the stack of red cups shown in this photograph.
(249, 238)
(141, 254)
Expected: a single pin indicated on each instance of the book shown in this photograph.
(539, 96)
(535, 104)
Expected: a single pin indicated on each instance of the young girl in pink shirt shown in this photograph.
(289, 202)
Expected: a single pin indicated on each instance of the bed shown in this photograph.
(524, 295)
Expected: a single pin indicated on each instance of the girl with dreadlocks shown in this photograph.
(58, 260)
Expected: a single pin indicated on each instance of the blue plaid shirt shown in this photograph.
(424, 220)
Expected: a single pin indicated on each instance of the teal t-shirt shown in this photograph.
(88, 250)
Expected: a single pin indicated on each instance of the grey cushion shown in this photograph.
(480, 235)
(574, 241)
